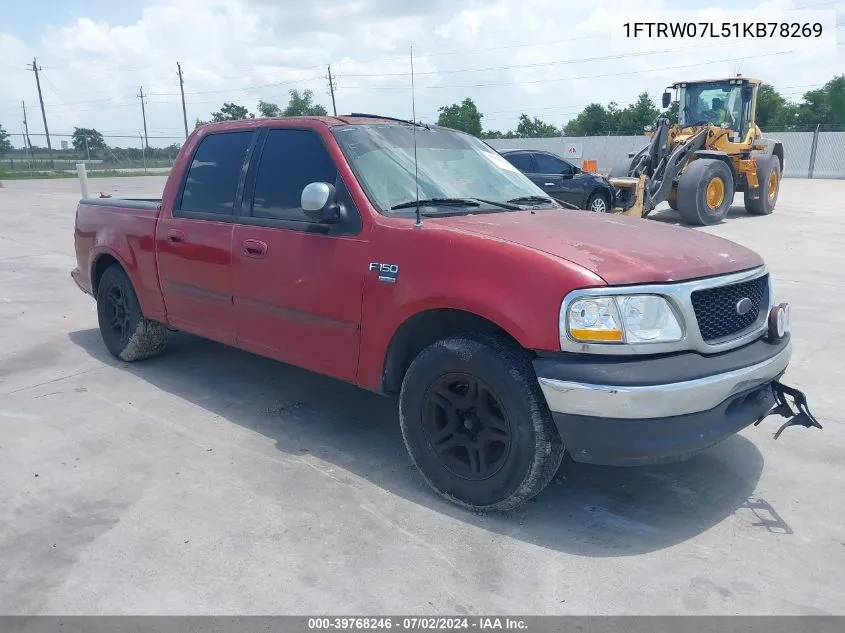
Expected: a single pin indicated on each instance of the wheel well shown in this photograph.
(423, 329)
(100, 265)
(599, 189)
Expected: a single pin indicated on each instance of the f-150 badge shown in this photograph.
(386, 272)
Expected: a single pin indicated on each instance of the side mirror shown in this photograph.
(319, 203)
(667, 99)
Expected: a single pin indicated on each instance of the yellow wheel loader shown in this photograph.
(699, 162)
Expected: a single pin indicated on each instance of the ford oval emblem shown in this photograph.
(744, 306)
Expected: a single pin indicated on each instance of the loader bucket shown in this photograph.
(629, 195)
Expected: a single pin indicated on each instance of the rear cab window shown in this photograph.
(211, 184)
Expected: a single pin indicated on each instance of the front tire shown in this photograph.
(769, 178)
(127, 334)
(705, 192)
(598, 202)
(476, 424)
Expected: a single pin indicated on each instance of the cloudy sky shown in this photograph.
(548, 58)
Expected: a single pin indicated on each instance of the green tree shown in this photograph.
(231, 112)
(825, 106)
(267, 109)
(95, 140)
(770, 106)
(462, 116)
(5, 143)
(199, 123)
(672, 112)
(634, 118)
(302, 105)
(535, 128)
(591, 121)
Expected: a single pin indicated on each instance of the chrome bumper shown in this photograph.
(660, 401)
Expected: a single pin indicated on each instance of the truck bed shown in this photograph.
(122, 230)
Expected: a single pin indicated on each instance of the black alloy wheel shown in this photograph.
(467, 426)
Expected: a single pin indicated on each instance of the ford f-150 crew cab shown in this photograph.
(416, 261)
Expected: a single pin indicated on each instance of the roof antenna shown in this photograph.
(414, 122)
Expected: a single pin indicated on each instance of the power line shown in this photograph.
(602, 75)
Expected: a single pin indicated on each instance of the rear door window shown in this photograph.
(290, 160)
(212, 182)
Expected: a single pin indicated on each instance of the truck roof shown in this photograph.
(330, 121)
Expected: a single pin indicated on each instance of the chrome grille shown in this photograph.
(716, 308)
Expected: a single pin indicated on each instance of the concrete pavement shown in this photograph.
(212, 481)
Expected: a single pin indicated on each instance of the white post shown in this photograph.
(83, 179)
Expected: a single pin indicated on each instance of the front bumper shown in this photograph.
(628, 411)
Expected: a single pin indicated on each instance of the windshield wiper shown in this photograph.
(455, 202)
(530, 200)
(509, 205)
(436, 202)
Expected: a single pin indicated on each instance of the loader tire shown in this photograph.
(768, 175)
(705, 192)
(673, 199)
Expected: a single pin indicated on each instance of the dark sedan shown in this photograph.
(562, 180)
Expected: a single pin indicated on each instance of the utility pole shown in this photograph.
(182, 90)
(35, 68)
(27, 140)
(331, 89)
(144, 114)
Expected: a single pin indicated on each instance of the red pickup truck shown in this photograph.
(416, 261)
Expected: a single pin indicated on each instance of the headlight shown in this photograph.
(623, 319)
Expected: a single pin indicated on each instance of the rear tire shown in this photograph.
(705, 192)
(769, 177)
(476, 424)
(128, 335)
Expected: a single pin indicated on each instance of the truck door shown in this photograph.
(298, 285)
(194, 239)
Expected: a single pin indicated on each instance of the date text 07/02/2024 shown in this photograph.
(718, 30)
(479, 623)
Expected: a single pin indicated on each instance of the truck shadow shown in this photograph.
(588, 510)
(666, 215)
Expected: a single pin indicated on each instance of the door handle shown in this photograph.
(549, 184)
(255, 248)
(175, 237)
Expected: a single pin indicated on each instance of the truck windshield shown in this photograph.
(716, 102)
(451, 165)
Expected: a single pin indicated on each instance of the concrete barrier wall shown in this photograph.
(830, 155)
(611, 152)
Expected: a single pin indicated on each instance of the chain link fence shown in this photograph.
(109, 154)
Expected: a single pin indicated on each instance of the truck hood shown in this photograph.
(619, 249)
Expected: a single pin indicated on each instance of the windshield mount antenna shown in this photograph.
(416, 167)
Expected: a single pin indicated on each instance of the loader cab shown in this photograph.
(725, 103)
